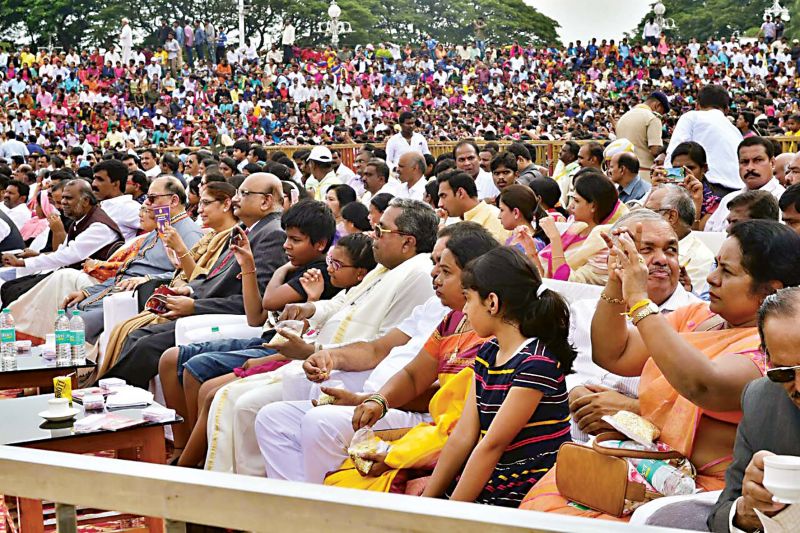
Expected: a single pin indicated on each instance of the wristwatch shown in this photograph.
(647, 310)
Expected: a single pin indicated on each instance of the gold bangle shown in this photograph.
(248, 272)
(184, 255)
(606, 298)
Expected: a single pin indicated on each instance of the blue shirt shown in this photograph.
(635, 190)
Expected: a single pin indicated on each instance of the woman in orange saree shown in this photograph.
(693, 363)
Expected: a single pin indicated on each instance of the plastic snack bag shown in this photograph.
(364, 442)
(634, 427)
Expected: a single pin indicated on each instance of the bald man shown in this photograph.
(257, 204)
(781, 162)
(410, 171)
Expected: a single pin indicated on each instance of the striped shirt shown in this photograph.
(533, 451)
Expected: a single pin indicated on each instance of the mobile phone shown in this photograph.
(294, 196)
(236, 237)
(675, 174)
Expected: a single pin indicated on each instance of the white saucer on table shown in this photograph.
(53, 417)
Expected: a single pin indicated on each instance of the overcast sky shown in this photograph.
(583, 19)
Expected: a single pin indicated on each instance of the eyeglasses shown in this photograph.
(782, 374)
(245, 193)
(335, 264)
(206, 203)
(152, 197)
(380, 231)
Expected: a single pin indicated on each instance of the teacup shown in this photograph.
(782, 477)
(58, 406)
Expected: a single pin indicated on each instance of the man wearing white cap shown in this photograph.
(320, 163)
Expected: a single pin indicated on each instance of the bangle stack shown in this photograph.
(380, 400)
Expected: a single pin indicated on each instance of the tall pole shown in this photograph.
(241, 23)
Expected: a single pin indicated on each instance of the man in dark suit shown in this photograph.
(770, 426)
(258, 206)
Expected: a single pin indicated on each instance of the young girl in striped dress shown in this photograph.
(517, 414)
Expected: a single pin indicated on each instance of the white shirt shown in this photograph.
(126, 36)
(153, 172)
(89, 241)
(18, 215)
(701, 260)
(13, 147)
(123, 210)
(287, 39)
(720, 139)
(345, 174)
(5, 230)
(718, 221)
(486, 186)
(398, 145)
(419, 326)
(392, 187)
(416, 192)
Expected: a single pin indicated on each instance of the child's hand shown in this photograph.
(313, 283)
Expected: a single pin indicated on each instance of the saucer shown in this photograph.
(71, 412)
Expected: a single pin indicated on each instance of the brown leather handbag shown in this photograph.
(597, 477)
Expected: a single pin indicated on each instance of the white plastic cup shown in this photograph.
(782, 477)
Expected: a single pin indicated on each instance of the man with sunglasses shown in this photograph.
(257, 205)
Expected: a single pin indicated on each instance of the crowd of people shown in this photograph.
(426, 299)
(194, 88)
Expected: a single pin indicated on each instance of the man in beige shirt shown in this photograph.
(458, 196)
(642, 126)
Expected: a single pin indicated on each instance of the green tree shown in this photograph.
(712, 18)
(97, 22)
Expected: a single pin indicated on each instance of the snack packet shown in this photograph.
(634, 427)
(365, 442)
(62, 387)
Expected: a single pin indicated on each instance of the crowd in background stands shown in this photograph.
(179, 95)
(518, 369)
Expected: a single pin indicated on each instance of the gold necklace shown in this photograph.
(460, 330)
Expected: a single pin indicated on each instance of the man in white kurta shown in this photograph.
(385, 297)
(126, 41)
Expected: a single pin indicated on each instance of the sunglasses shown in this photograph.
(380, 231)
(782, 374)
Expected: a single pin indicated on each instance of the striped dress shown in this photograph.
(533, 451)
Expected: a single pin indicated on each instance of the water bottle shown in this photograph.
(665, 478)
(8, 341)
(77, 337)
(63, 344)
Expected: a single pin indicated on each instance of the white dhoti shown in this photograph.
(300, 442)
(35, 311)
(231, 438)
